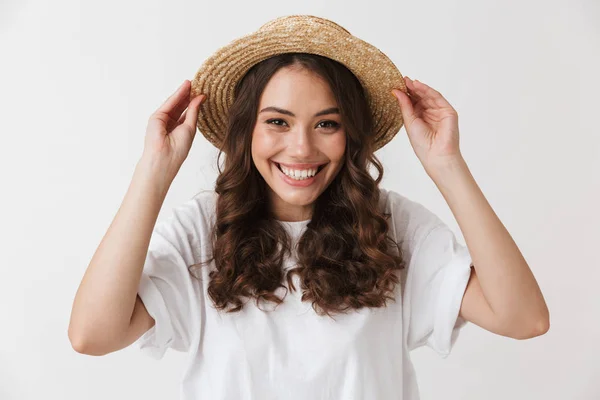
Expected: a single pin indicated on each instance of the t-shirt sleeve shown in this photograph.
(433, 282)
(437, 276)
(167, 288)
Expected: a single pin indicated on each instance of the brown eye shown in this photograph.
(332, 124)
(273, 120)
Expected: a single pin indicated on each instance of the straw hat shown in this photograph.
(219, 74)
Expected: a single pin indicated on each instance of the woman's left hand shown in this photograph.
(431, 124)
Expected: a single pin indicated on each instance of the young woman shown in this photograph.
(298, 277)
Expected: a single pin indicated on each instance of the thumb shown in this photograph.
(406, 107)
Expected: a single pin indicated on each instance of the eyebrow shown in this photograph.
(331, 110)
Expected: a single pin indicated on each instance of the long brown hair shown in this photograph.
(343, 260)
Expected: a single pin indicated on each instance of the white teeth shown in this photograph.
(299, 174)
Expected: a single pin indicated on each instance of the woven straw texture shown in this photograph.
(219, 74)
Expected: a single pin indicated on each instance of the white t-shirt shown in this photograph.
(290, 352)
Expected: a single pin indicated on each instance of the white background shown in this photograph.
(78, 81)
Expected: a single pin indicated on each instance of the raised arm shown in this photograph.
(107, 313)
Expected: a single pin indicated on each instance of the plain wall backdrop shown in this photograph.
(79, 80)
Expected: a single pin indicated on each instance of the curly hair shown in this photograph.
(343, 258)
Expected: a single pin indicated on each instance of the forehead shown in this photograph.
(296, 84)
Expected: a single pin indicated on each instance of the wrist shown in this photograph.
(451, 176)
(155, 174)
(446, 166)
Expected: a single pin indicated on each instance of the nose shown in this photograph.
(301, 143)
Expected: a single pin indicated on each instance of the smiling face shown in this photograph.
(298, 132)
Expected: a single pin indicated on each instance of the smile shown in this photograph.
(297, 177)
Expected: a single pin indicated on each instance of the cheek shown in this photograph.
(336, 146)
(263, 143)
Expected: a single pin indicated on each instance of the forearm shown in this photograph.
(106, 296)
(505, 278)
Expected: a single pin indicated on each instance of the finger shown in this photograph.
(416, 99)
(406, 106)
(411, 90)
(181, 106)
(182, 118)
(177, 102)
(425, 91)
(424, 99)
(191, 114)
(409, 84)
(432, 97)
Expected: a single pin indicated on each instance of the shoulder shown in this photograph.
(192, 219)
(409, 220)
(204, 202)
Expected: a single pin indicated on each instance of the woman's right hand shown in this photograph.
(171, 130)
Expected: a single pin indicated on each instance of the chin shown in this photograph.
(299, 200)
